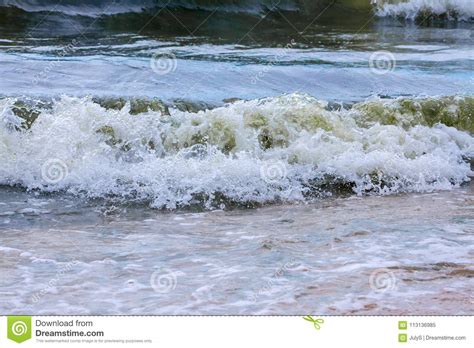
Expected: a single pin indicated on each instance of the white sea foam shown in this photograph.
(185, 158)
(410, 9)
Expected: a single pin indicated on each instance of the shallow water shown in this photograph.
(246, 54)
(302, 158)
(360, 255)
(330, 65)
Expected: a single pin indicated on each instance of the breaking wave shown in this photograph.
(451, 9)
(413, 9)
(283, 149)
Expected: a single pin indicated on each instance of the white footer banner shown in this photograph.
(236, 331)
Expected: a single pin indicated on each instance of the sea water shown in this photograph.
(236, 157)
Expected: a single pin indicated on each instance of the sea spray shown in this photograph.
(422, 9)
(282, 149)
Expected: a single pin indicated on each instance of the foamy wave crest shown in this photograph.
(413, 9)
(215, 157)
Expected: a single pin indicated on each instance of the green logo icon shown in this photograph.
(402, 338)
(316, 322)
(19, 328)
(402, 325)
